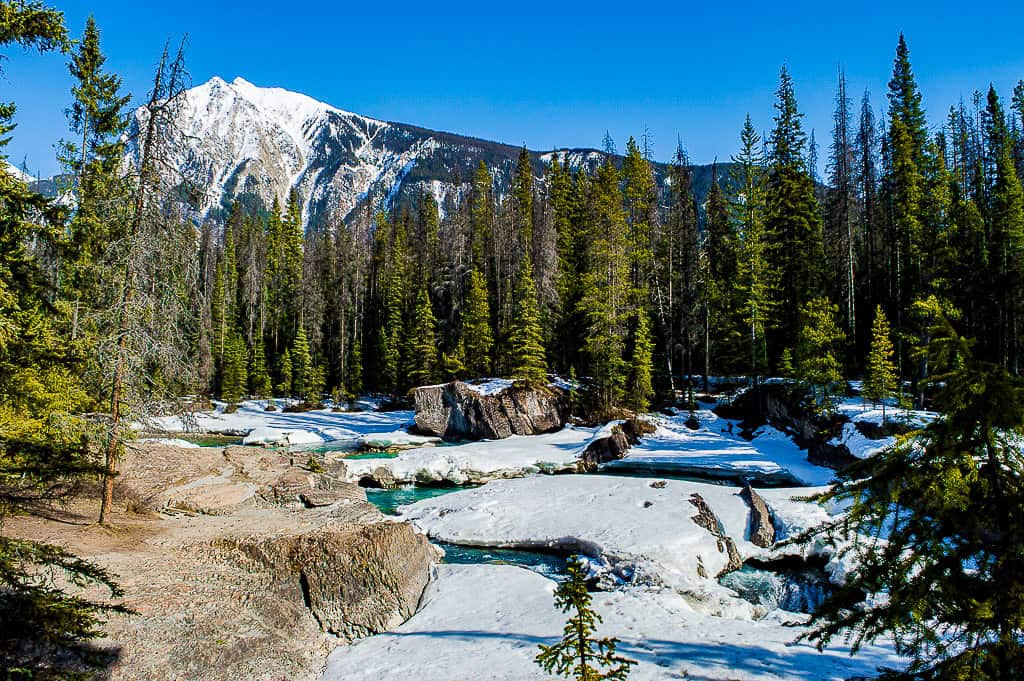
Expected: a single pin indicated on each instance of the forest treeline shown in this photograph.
(610, 275)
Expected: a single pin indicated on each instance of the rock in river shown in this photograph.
(491, 411)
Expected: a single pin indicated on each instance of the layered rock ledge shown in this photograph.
(241, 565)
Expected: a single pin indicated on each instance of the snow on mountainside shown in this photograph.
(257, 144)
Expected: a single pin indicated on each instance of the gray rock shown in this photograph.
(762, 530)
(615, 445)
(707, 519)
(456, 411)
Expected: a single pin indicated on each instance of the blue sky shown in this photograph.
(540, 73)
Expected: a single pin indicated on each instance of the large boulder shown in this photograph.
(615, 445)
(762, 529)
(460, 411)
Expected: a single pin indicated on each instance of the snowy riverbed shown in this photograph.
(634, 521)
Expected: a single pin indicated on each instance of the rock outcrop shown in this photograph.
(615, 445)
(457, 411)
(240, 565)
(780, 406)
(762, 530)
(707, 519)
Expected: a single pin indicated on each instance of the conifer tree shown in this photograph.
(302, 365)
(476, 327)
(284, 373)
(641, 365)
(522, 193)
(526, 340)
(755, 277)
(45, 627)
(259, 375)
(793, 220)
(880, 372)
(422, 342)
(233, 367)
(934, 532)
(720, 271)
(817, 348)
(605, 299)
(94, 160)
(579, 655)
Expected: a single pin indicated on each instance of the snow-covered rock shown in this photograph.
(491, 409)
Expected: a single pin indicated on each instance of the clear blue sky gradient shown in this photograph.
(541, 73)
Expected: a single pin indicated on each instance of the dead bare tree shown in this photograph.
(143, 353)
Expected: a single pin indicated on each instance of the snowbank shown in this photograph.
(485, 622)
(642, 533)
(300, 428)
(716, 450)
(481, 461)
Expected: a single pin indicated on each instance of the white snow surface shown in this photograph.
(485, 623)
(277, 427)
(472, 462)
(717, 448)
(637, 530)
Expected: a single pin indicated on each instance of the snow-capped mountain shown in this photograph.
(256, 144)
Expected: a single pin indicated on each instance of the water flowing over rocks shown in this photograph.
(493, 410)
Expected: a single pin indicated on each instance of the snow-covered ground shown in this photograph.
(259, 426)
(642, 533)
(475, 462)
(716, 449)
(485, 622)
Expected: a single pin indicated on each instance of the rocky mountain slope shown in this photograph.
(256, 144)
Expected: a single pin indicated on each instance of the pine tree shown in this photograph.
(284, 373)
(302, 365)
(579, 655)
(641, 365)
(522, 193)
(934, 532)
(422, 341)
(720, 271)
(755, 276)
(880, 372)
(793, 220)
(526, 340)
(604, 302)
(45, 628)
(476, 327)
(817, 348)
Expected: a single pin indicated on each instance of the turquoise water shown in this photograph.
(388, 500)
(548, 564)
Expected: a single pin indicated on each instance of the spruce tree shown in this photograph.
(235, 377)
(259, 375)
(934, 531)
(817, 350)
(93, 161)
(880, 372)
(476, 335)
(604, 303)
(641, 365)
(284, 373)
(579, 655)
(526, 340)
(302, 365)
(422, 341)
(755, 277)
(793, 219)
(45, 627)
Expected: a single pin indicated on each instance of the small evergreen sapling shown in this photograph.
(579, 655)
(880, 377)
